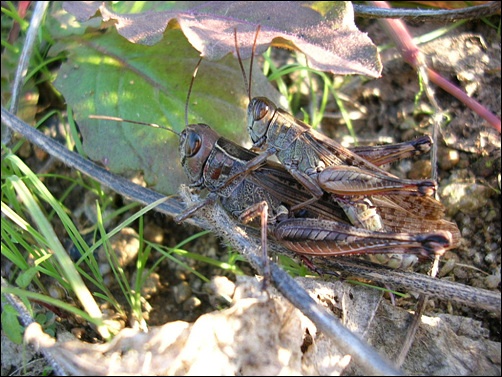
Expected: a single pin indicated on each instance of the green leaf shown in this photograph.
(24, 279)
(107, 75)
(11, 325)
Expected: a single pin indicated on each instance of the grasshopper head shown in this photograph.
(260, 113)
(196, 143)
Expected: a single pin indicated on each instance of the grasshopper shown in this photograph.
(372, 198)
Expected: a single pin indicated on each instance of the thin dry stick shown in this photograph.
(24, 59)
(429, 15)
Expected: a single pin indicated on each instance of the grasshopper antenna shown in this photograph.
(237, 51)
(106, 117)
(246, 83)
(190, 90)
(117, 119)
(252, 58)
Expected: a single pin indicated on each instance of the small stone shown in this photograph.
(460, 273)
(191, 303)
(420, 170)
(466, 197)
(492, 281)
(150, 286)
(447, 268)
(448, 158)
(154, 233)
(491, 257)
(182, 292)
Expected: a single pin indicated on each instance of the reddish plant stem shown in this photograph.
(464, 98)
(412, 55)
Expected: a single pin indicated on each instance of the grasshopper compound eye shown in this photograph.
(259, 109)
(193, 144)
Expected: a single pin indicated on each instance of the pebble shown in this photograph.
(154, 233)
(151, 284)
(447, 267)
(56, 291)
(492, 281)
(448, 158)
(182, 292)
(466, 197)
(125, 244)
(220, 290)
(421, 169)
(460, 273)
(492, 257)
(191, 303)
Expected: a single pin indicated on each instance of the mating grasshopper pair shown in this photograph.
(325, 199)
(321, 228)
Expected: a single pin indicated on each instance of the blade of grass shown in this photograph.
(71, 273)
